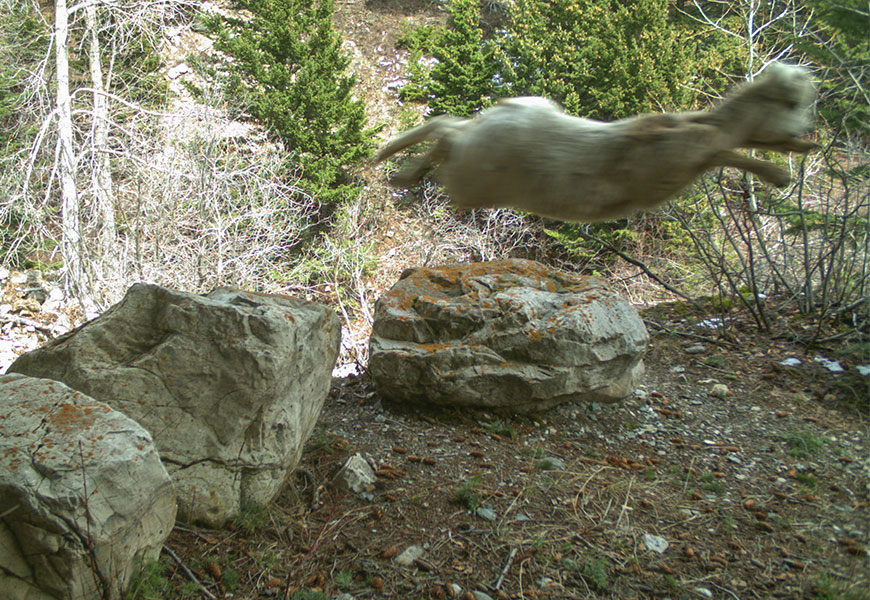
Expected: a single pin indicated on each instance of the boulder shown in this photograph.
(229, 384)
(512, 335)
(84, 498)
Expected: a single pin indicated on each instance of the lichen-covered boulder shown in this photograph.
(229, 384)
(511, 334)
(84, 498)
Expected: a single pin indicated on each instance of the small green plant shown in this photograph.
(306, 595)
(649, 475)
(717, 361)
(533, 451)
(709, 483)
(251, 518)
(466, 495)
(267, 561)
(503, 429)
(806, 480)
(803, 444)
(230, 579)
(149, 582)
(594, 570)
(344, 580)
(826, 588)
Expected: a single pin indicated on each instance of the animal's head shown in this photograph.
(780, 104)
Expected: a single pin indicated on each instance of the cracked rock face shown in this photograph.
(84, 497)
(511, 335)
(229, 384)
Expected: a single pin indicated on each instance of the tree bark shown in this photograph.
(70, 221)
(101, 174)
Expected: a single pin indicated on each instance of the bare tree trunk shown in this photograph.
(71, 233)
(101, 175)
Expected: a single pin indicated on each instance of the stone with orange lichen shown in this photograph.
(80, 485)
(511, 334)
(230, 384)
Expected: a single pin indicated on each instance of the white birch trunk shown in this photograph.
(71, 233)
(101, 174)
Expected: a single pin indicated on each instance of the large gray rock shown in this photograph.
(84, 498)
(511, 334)
(229, 384)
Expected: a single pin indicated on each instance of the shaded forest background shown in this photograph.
(197, 145)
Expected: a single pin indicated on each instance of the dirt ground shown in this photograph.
(685, 490)
(762, 493)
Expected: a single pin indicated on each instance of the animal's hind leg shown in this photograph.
(414, 172)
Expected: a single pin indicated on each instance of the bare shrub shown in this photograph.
(213, 207)
(808, 245)
(476, 235)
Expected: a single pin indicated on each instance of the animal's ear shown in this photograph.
(648, 128)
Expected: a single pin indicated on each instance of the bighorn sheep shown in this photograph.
(526, 153)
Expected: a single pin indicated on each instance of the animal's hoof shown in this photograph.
(779, 178)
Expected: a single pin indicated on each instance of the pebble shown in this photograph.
(655, 543)
(411, 553)
(701, 591)
(720, 390)
(551, 463)
(486, 513)
(696, 349)
(481, 595)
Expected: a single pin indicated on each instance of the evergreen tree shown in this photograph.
(840, 41)
(602, 59)
(463, 79)
(289, 69)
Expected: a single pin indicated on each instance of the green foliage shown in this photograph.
(462, 79)
(804, 444)
(149, 582)
(23, 37)
(841, 40)
(503, 429)
(230, 579)
(344, 580)
(828, 588)
(252, 517)
(805, 480)
(288, 70)
(594, 570)
(709, 483)
(306, 595)
(467, 495)
(601, 59)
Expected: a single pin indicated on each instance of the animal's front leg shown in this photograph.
(768, 171)
(792, 145)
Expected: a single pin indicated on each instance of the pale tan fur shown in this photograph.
(527, 154)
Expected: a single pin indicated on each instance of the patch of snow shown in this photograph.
(833, 366)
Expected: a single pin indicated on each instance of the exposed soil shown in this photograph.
(760, 494)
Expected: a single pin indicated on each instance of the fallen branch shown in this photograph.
(507, 567)
(190, 574)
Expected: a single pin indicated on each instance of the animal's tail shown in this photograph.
(430, 130)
